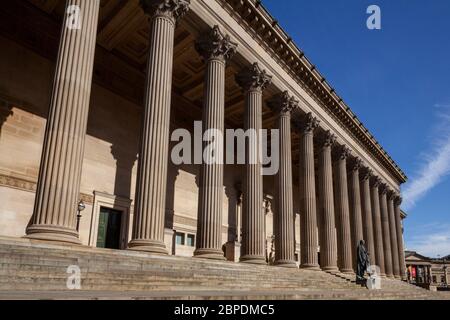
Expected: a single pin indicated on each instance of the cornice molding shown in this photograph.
(272, 36)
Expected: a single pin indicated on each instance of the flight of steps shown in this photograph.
(36, 270)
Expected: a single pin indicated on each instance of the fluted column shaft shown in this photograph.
(343, 213)
(148, 227)
(367, 216)
(355, 209)
(284, 215)
(253, 81)
(327, 239)
(308, 214)
(58, 186)
(393, 236)
(386, 233)
(377, 229)
(401, 250)
(215, 48)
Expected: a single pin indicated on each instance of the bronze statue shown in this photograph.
(363, 262)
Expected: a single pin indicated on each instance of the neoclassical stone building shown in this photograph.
(90, 92)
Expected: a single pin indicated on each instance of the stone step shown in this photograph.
(35, 266)
(206, 295)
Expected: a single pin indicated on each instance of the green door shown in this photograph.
(109, 226)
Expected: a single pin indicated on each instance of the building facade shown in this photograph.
(427, 272)
(92, 91)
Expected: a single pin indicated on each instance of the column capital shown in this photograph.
(308, 123)
(391, 195)
(375, 181)
(398, 200)
(253, 78)
(342, 152)
(365, 173)
(215, 45)
(326, 139)
(355, 164)
(383, 188)
(173, 9)
(283, 103)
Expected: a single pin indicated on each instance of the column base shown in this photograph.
(149, 246)
(211, 254)
(347, 271)
(253, 259)
(390, 276)
(330, 269)
(286, 264)
(397, 277)
(53, 234)
(313, 267)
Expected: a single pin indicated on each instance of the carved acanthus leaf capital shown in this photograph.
(398, 200)
(383, 188)
(216, 45)
(327, 139)
(376, 181)
(174, 9)
(253, 78)
(356, 164)
(392, 195)
(365, 173)
(342, 152)
(308, 123)
(283, 103)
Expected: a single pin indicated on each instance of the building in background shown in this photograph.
(430, 273)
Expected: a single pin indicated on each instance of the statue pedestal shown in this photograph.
(374, 283)
(233, 251)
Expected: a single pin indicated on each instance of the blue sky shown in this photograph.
(397, 80)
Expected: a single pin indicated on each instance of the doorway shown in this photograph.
(109, 228)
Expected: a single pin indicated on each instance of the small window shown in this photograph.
(179, 238)
(190, 240)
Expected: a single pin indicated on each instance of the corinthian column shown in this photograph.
(148, 228)
(393, 234)
(327, 239)
(401, 250)
(253, 81)
(342, 211)
(377, 229)
(367, 213)
(215, 48)
(283, 104)
(308, 215)
(386, 232)
(355, 208)
(58, 186)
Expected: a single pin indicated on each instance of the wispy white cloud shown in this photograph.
(436, 164)
(430, 240)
